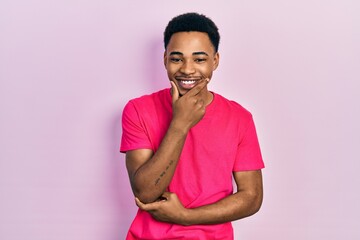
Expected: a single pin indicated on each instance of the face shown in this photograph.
(189, 57)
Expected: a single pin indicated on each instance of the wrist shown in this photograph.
(187, 219)
(178, 127)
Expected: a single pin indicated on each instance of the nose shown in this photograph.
(187, 68)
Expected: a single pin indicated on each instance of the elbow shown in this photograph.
(145, 198)
(256, 207)
(146, 195)
(256, 202)
(249, 202)
(144, 191)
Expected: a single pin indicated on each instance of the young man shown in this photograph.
(183, 145)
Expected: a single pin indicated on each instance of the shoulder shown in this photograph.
(231, 106)
(151, 97)
(149, 100)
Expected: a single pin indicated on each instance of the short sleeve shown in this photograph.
(134, 135)
(248, 156)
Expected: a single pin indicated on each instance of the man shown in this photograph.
(183, 145)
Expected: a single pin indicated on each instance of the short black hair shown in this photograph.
(188, 22)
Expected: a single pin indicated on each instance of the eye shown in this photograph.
(200, 60)
(175, 60)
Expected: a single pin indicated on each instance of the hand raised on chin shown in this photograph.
(189, 109)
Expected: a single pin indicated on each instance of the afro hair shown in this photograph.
(188, 22)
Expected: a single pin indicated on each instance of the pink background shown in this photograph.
(67, 68)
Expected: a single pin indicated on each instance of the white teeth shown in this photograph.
(188, 82)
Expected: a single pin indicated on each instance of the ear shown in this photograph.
(216, 61)
(165, 58)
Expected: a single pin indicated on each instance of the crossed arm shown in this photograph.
(168, 208)
(150, 173)
(245, 202)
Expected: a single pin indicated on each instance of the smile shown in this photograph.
(188, 82)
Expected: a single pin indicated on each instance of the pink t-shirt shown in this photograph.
(224, 141)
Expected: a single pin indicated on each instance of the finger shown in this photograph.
(146, 207)
(139, 203)
(203, 76)
(166, 195)
(174, 92)
(200, 86)
(201, 103)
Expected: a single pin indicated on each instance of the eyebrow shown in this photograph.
(194, 53)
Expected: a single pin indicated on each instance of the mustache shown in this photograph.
(190, 77)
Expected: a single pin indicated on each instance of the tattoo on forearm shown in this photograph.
(164, 172)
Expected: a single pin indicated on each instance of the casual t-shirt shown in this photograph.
(223, 142)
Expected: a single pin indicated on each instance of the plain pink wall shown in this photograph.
(67, 68)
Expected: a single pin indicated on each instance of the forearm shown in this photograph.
(233, 207)
(150, 181)
(151, 175)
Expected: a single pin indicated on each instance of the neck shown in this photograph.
(208, 98)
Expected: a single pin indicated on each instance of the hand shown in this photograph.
(167, 209)
(189, 109)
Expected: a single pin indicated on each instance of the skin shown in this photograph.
(189, 56)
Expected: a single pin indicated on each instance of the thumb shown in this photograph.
(174, 92)
(166, 195)
(139, 203)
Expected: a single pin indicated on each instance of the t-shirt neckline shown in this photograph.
(209, 108)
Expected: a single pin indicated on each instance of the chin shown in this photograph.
(183, 92)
